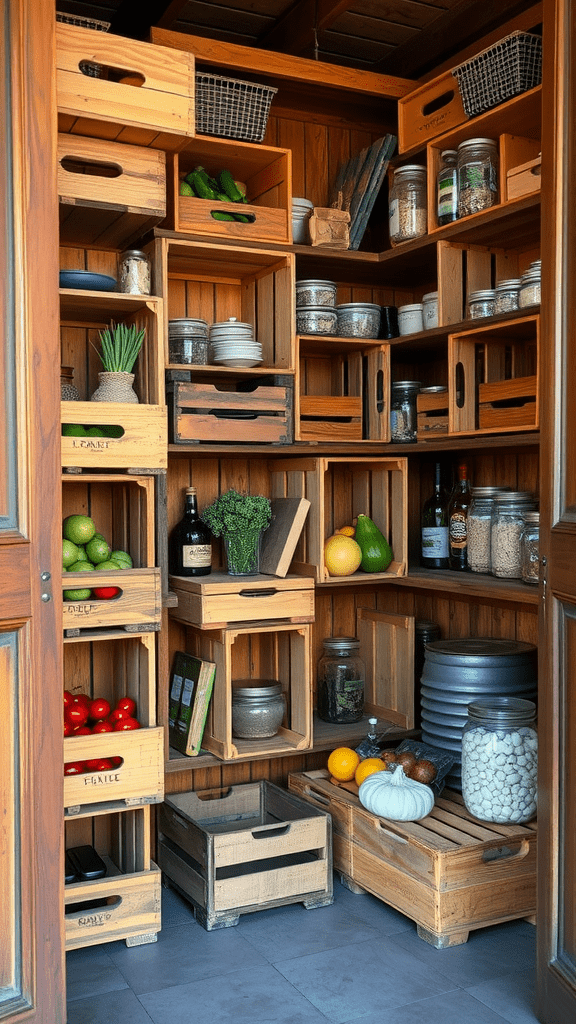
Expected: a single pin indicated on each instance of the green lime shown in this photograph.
(185, 189)
(77, 595)
(97, 550)
(82, 565)
(73, 430)
(95, 432)
(108, 566)
(81, 557)
(78, 529)
(69, 553)
(123, 557)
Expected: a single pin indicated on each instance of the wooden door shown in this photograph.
(31, 780)
(556, 972)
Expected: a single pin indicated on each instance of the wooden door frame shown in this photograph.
(31, 551)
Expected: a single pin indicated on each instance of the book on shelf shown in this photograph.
(190, 690)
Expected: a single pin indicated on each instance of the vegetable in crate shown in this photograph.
(390, 794)
(376, 551)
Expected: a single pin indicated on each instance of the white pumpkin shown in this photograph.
(391, 794)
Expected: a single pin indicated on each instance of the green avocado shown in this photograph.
(376, 551)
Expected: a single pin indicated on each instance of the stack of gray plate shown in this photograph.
(459, 671)
(233, 344)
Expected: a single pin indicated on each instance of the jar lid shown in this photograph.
(480, 296)
(315, 309)
(433, 389)
(410, 308)
(338, 644)
(430, 296)
(477, 142)
(307, 203)
(508, 710)
(134, 253)
(448, 152)
(514, 282)
(357, 307)
(486, 492)
(412, 168)
(514, 497)
(531, 517)
(315, 284)
(258, 690)
(530, 275)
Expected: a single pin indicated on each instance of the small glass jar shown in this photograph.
(257, 710)
(68, 390)
(430, 310)
(506, 295)
(403, 412)
(410, 318)
(407, 204)
(340, 681)
(188, 341)
(481, 303)
(530, 287)
(530, 548)
(315, 293)
(477, 176)
(479, 525)
(134, 276)
(316, 320)
(505, 529)
(447, 188)
(500, 760)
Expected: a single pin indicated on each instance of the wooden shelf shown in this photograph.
(459, 442)
(470, 584)
(81, 306)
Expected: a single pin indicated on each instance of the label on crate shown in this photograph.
(102, 779)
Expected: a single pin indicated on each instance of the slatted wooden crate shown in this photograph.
(111, 87)
(142, 445)
(126, 903)
(428, 111)
(266, 175)
(257, 650)
(339, 489)
(449, 872)
(138, 780)
(432, 413)
(494, 377)
(221, 413)
(219, 600)
(343, 391)
(250, 848)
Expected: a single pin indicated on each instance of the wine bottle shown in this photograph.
(190, 546)
(435, 553)
(458, 521)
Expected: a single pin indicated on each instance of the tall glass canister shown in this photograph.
(340, 681)
(500, 760)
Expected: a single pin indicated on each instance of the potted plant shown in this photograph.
(240, 519)
(121, 344)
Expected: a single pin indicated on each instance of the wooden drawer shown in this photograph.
(138, 780)
(219, 413)
(250, 848)
(155, 93)
(143, 443)
(219, 600)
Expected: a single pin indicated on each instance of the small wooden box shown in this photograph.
(251, 848)
(265, 173)
(432, 415)
(143, 444)
(428, 111)
(342, 390)
(125, 904)
(338, 489)
(217, 413)
(138, 780)
(524, 180)
(219, 600)
(279, 651)
(450, 873)
(103, 79)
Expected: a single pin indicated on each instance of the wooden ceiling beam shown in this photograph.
(137, 24)
(171, 13)
(296, 31)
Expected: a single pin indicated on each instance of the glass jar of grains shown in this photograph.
(477, 176)
(479, 523)
(530, 286)
(404, 412)
(340, 683)
(135, 272)
(481, 303)
(506, 295)
(505, 529)
(407, 204)
(530, 548)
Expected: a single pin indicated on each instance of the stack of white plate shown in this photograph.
(233, 344)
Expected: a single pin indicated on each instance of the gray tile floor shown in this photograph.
(353, 961)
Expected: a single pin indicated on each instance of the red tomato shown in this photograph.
(117, 714)
(83, 700)
(126, 723)
(99, 709)
(84, 730)
(117, 761)
(74, 768)
(98, 764)
(103, 727)
(68, 698)
(126, 704)
(76, 714)
(69, 729)
(105, 593)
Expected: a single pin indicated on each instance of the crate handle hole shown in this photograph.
(123, 76)
(270, 592)
(93, 908)
(243, 218)
(438, 102)
(96, 168)
(460, 385)
(380, 391)
(267, 831)
(90, 436)
(506, 853)
(319, 797)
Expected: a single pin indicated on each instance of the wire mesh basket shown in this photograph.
(509, 67)
(232, 108)
(73, 19)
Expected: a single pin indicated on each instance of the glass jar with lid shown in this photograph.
(447, 188)
(505, 529)
(506, 295)
(257, 708)
(135, 278)
(404, 412)
(500, 760)
(530, 548)
(407, 204)
(530, 286)
(477, 175)
(340, 681)
(481, 303)
(479, 524)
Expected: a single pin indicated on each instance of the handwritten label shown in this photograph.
(99, 444)
(101, 779)
(79, 609)
(94, 920)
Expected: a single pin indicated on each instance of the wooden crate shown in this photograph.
(450, 873)
(215, 282)
(266, 174)
(432, 415)
(387, 649)
(339, 488)
(138, 780)
(143, 444)
(219, 600)
(428, 111)
(122, 508)
(277, 650)
(343, 390)
(140, 86)
(524, 179)
(125, 904)
(111, 179)
(250, 848)
(221, 413)
(494, 377)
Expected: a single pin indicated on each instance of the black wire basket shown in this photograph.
(232, 108)
(509, 67)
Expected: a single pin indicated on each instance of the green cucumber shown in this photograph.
(220, 215)
(229, 186)
(200, 187)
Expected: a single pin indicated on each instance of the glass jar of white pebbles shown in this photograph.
(500, 760)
